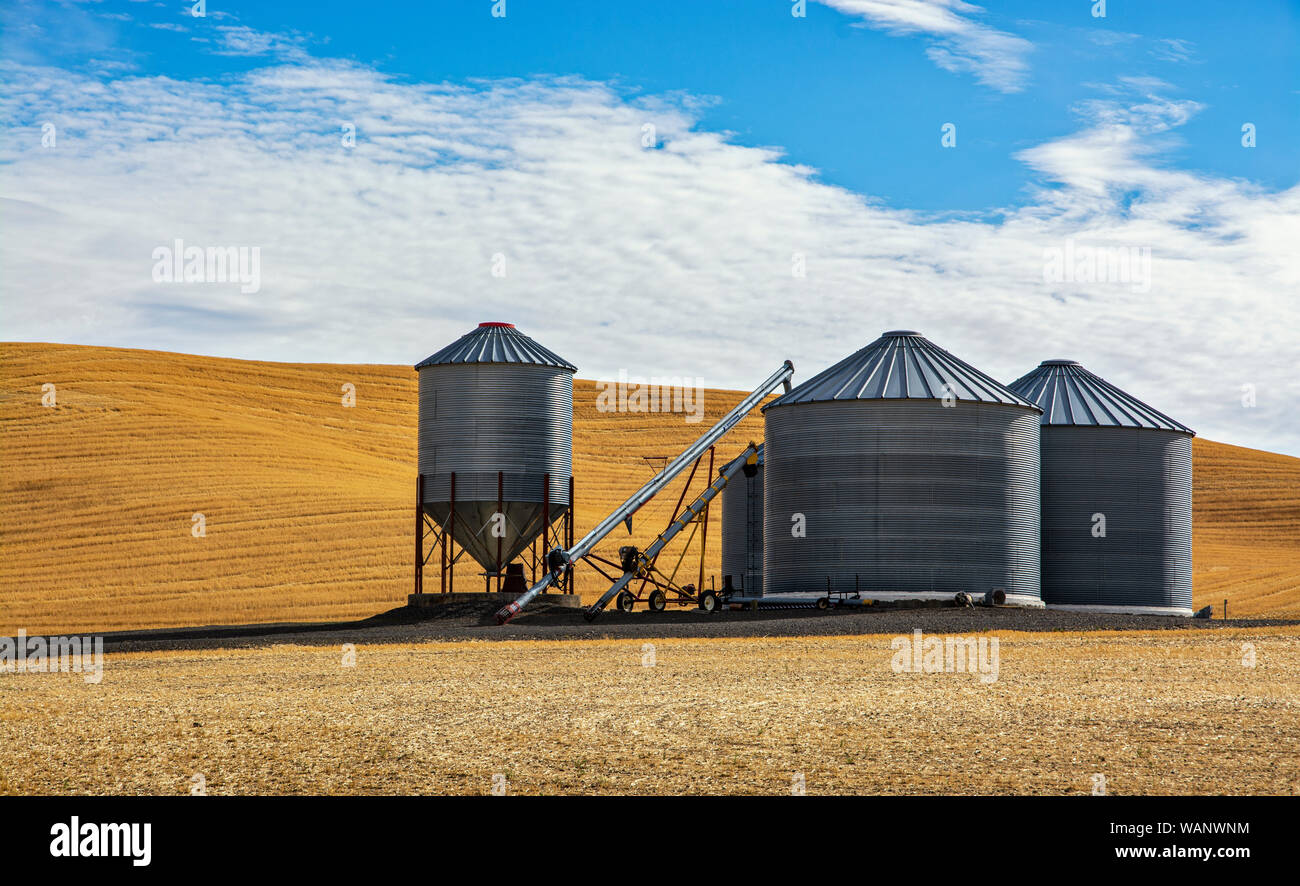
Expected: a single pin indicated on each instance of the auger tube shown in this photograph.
(559, 559)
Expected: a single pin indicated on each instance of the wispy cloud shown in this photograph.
(1170, 50)
(1113, 151)
(383, 251)
(241, 40)
(1107, 37)
(958, 41)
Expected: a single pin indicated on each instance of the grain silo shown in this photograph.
(1117, 496)
(742, 528)
(902, 472)
(495, 450)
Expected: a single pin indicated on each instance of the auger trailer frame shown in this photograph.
(642, 564)
(664, 589)
(560, 561)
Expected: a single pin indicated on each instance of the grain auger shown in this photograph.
(558, 560)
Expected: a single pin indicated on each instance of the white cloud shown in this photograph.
(958, 42)
(241, 40)
(1107, 37)
(675, 260)
(1170, 50)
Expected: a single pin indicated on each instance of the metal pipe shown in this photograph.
(559, 560)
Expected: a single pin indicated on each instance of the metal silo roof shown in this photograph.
(496, 343)
(1068, 394)
(901, 365)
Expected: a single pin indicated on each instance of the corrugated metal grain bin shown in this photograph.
(903, 472)
(1117, 495)
(496, 409)
(742, 530)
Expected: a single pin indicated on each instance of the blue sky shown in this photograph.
(775, 135)
(861, 106)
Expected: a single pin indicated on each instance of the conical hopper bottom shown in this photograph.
(475, 527)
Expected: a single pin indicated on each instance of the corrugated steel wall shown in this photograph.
(1141, 480)
(480, 418)
(902, 495)
(742, 532)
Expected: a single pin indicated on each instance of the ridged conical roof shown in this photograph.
(496, 343)
(901, 365)
(1068, 394)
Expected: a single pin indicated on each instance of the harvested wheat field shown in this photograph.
(307, 504)
(1155, 713)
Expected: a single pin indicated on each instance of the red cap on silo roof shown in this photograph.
(507, 325)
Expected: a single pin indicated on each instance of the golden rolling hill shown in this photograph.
(308, 504)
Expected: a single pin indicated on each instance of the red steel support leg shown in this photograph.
(442, 556)
(546, 512)
(419, 533)
(568, 531)
(451, 533)
(500, 515)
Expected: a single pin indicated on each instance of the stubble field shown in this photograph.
(1168, 712)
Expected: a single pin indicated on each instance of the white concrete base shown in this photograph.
(1124, 610)
(1022, 601)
